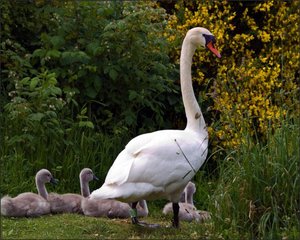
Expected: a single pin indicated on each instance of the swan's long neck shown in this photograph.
(189, 197)
(143, 205)
(192, 110)
(40, 185)
(84, 187)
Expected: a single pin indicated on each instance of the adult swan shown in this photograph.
(160, 164)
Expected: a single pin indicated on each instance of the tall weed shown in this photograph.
(78, 147)
(259, 186)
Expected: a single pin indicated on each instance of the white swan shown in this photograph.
(29, 204)
(70, 202)
(108, 207)
(160, 164)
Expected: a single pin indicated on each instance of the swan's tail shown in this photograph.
(6, 206)
(105, 192)
(127, 192)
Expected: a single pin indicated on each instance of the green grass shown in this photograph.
(73, 226)
(257, 193)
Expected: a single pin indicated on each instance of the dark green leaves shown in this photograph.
(69, 57)
(110, 57)
(57, 41)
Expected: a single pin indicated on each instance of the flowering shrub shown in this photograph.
(255, 83)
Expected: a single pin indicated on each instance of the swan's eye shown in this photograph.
(209, 38)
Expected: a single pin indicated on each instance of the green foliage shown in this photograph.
(257, 194)
(32, 114)
(115, 58)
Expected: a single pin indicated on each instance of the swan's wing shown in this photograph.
(169, 156)
(156, 158)
(118, 173)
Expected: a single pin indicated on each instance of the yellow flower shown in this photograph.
(264, 36)
(246, 84)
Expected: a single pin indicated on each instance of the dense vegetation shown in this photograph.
(80, 78)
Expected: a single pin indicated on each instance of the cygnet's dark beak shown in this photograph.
(95, 177)
(54, 181)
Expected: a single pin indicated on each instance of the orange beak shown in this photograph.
(211, 47)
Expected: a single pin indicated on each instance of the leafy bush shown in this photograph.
(114, 58)
(32, 114)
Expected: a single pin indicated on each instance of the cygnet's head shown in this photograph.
(87, 175)
(45, 176)
(190, 188)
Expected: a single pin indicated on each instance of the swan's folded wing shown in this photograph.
(118, 173)
(151, 158)
(158, 158)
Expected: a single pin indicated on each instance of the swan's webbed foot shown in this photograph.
(148, 225)
(135, 221)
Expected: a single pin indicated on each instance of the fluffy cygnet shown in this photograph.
(110, 208)
(29, 204)
(70, 202)
(187, 211)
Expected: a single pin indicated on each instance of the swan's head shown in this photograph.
(87, 175)
(45, 176)
(201, 37)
